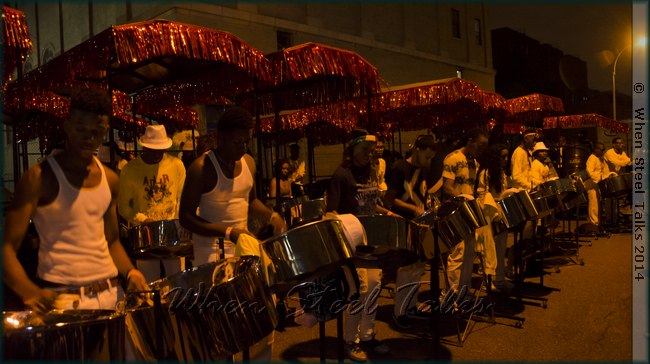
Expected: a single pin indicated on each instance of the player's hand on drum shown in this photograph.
(136, 282)
(42, 301)
(279, 226)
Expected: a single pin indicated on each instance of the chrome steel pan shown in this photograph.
(160, 239)
(616, 186)
(394, 233)
(516, 208)
(208, 313)
(457, 222)
(66, 335)
(304, 252)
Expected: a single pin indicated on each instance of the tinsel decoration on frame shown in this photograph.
(533, 108)
(444, 106)
(313, 74)
(16, 43)
(586, 120)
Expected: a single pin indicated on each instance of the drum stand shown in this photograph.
(616, 227)
(519, 274)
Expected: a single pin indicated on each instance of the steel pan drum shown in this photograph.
(208, 313)
(457, 222)
(70, 335)
(313, 249)
(575, 198)
(475, 207)
(160, 239)
(544, 204)
(616, 186)
(559, 188)
(394, 233)
(516, 208)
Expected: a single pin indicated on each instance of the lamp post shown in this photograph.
(614, 82)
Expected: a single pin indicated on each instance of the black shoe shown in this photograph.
(402, 321)
(374, 346)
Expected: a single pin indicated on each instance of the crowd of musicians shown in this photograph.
(75, 203)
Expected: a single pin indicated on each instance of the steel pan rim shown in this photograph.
(111, 315)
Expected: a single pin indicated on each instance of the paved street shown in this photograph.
(588, 317)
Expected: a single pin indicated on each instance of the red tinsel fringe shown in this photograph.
(586, 120)
(533, 107)
(16, 42)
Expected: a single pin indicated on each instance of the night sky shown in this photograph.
(594, 32)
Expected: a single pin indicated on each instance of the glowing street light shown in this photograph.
(641, 42)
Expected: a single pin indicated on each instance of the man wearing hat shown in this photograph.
(540, 171)
(150, 190)
(521, 160)
(354, 190)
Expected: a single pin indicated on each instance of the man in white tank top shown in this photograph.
(218, 195)
(71, 198)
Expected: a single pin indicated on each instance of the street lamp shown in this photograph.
(614, 81)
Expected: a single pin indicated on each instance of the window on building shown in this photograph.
(478, 34)
(284, 39)
(455, 23)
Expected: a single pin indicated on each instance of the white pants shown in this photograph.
(105, 300)
(407, 284)
(360, 316)
(592, 198)
(460, 263)
(493, 249)
(151, 267)
(207, 253)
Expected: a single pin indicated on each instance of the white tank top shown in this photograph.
(73, 248)
(228, 201)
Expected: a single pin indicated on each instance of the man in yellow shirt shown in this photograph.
(150, 190)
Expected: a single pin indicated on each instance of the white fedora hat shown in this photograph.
(539, 146)
(155, 137)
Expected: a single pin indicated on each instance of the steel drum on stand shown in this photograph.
(160, 239)
(66, 335)
(299, 254)
(209, 313)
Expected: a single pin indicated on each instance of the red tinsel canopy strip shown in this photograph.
(16, 42)
(438, 92)
(437, 103)
(586, 120)
(343, 115)
(537, 102)
(314, 74)
(131, 45)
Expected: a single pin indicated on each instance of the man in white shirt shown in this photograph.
(521, 160)
(616, 156)
(598, 170)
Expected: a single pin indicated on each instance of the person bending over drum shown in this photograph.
(354, 190)
(71, 197)
(616, 157)
(219, 194)
(459, 176)
(598, 170)
(492, 182)
(150, 190)
(407, 196)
